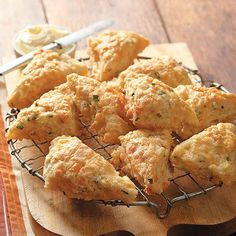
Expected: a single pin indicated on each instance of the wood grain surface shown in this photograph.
(208, 26)
(140, 16)
(209, 29)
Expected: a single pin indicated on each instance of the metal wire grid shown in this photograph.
(34, 165)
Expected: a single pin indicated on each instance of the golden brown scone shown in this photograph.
(53, 114)
(109, 126)
(110, 121)
(210, 105)
(151, 104)
(113, 51)
(108, 96)
(83, 87)
(165, 69)
(78, 171)
(47, 70)
(101, 105)
(144, 155)
(210, 154)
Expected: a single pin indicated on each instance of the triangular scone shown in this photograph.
(108, 96)
(47, 70)
(113, 51)
(53, 114)
(101, 105)
(109, 126)
(110, 121)
(165, 69)
(78, 171)
(151, 104)
(210, 154)
(144, 155)
(83, 87)
(210, 105)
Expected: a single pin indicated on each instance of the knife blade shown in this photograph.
(59, 43)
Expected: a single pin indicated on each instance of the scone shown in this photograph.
(113, 51)
(47, 70)
(101, 105)
(165, 69)
(143, 155)
(110, 121)
(109, 126)
(151, 104)
(107, 96)
(53, 114)
(210, 105)
(210, 154)
(83, 87)
(78, 171)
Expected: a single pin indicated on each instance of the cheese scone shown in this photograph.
(165, 69)
(144, 154)
(110, 121)
(210, 154)
(109, 126)
(53, 114)
(47, 70)
(210, 105)
(101, 105)
(108, 96)
(113, 51)
(78, 171)
(83, 87)
(151, 104)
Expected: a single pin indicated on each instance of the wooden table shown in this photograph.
(207, 26)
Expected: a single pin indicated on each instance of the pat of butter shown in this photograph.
(35, 36)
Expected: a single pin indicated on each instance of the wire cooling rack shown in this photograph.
(183, 186)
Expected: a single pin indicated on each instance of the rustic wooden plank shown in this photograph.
(14, 16)
(140, 16)
(209, 28)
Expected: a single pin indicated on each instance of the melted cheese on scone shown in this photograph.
(151, 104)
(210, 154)
(53, 114)
(165, 69)
(210, 105)
(78, 171)
(47, 70)
(113, 51)
(144, 155)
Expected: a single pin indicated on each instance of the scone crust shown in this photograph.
(82, 88)
(110, 120)
(110, 126)
(47, 70)
(210, 154)
(78, 171)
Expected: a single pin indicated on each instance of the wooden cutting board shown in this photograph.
(63, 216)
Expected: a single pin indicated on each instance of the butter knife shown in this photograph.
(59, 43)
